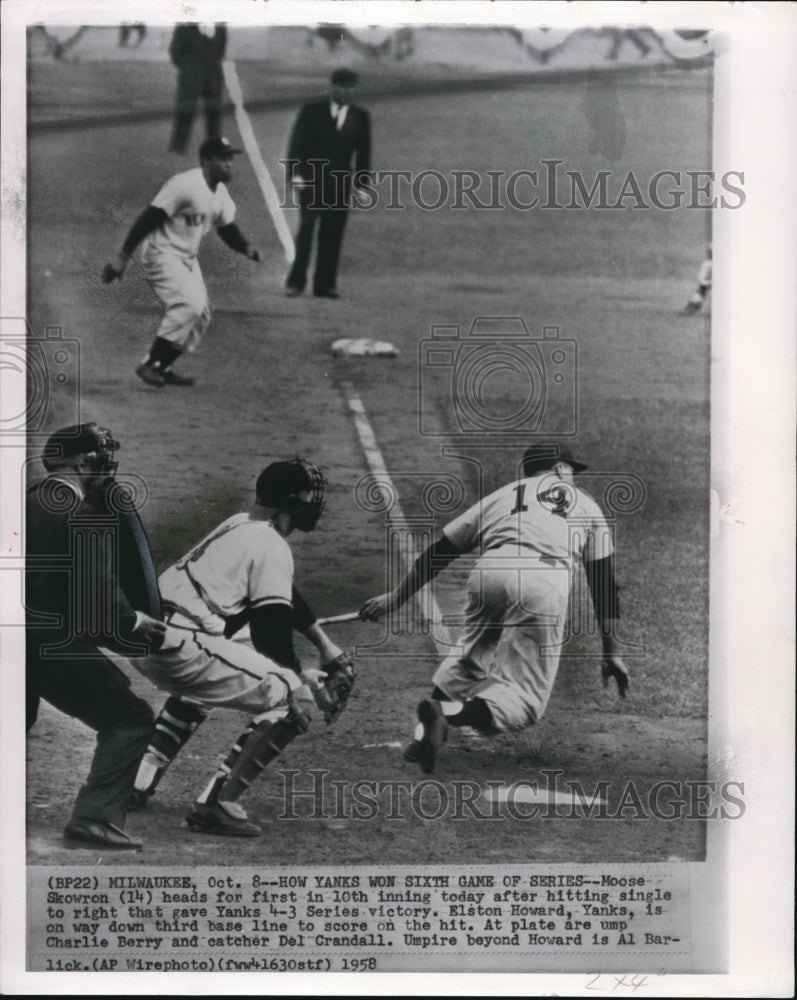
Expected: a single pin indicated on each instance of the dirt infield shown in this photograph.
(612, 281)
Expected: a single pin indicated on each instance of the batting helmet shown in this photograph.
(279, 484)
(538, 457)
(95, 443)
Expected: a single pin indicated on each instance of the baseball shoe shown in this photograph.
(691, 307)
(293, 291)
(329, 294)
(150, 375)
(435, 733)
(173, 378)
(96, 833)
(139, 800)
(412, 751)
(226, 818)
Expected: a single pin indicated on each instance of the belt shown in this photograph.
(545, 560)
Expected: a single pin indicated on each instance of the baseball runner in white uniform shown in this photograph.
(170, 231)
(241, 575)
(529, 536)
(698, 298)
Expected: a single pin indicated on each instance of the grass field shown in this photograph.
(267, 387)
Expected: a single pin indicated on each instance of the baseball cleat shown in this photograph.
(138, 800)
(227, 818)
(173, 378)
(150, 375)
(411, 751)
(691, 307)
(435, 732)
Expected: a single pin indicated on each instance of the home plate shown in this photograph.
(527, 791)
(361, 347)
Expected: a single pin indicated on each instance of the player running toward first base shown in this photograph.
(241, 575)
(170, 230)
(528, 536)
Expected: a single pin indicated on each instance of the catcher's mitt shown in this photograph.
(340, 675)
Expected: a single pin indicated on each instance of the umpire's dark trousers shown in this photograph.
(89, 687)
(331, 224)
(197, 79)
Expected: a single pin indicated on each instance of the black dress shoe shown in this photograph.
(98, 833)
(331, 294)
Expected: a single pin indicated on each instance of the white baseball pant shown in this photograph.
(178, 283)
(218, 672)
(512, 640)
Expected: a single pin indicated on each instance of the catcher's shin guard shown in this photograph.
(175, 725)
(255, 749)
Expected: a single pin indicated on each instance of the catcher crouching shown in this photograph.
(230, 609)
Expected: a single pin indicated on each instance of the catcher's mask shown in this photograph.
(279, 483)
(94, 443)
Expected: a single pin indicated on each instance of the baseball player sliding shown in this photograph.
(241, 575)
(528, 535)
(170, 230)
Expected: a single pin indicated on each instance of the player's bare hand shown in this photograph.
(150, 630)
(613, 666)
(313, 678)
(374, 608)
(254, 254)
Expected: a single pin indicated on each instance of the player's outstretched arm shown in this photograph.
(305, 621)
(603, 588)
(428, 564)
(149, 220)
(236, 240)
(333, 683)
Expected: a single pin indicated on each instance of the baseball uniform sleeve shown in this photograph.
(224, 210)
(464, 531)
(271, 577)
(598, 544)
(171, 196)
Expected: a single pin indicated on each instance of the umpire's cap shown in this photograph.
(538, 457)
(344, 78)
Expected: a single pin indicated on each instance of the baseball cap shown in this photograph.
(544, 456)
(211, 148)
(344, 78)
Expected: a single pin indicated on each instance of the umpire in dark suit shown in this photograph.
(197, 51)
(90, 583)
(327, 135)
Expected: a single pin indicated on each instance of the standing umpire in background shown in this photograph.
(90, 581)
(197, 51)
(326, 136)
